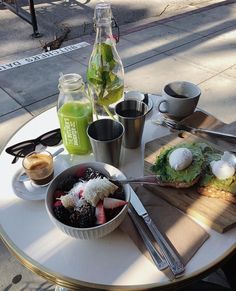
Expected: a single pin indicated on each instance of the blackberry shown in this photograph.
(62, 214)
(111, 213)
(91, 174)
(84, 216)
(67, 183)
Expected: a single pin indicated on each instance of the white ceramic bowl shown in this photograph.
(91, 232)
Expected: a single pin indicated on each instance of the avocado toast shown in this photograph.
(197, 171)
(213, 186)
(180, 178)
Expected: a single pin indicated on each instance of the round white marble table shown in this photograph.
(113, 262)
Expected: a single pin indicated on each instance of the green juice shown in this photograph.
(74, 119)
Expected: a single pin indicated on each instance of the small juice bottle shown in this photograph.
(75, 113)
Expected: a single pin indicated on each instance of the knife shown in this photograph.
(169, 254)
(159, 261)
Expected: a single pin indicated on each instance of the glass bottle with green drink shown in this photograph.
(105, 72)
(75, 113)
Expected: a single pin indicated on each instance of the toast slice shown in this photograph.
(168, 177)
(211, 186)
(179, 185)
(216, 193)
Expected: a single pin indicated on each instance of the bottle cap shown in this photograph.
(102, 13)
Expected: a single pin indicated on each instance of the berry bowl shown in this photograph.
(86, 202)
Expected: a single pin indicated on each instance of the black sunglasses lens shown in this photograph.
(51, 138)
(21, 150)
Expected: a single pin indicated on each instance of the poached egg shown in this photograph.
(225, 167)
(180, 159)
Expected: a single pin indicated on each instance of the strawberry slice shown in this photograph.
(81, 193)
(57, 203)
(80, 172)
(100, 213)
(110, 203)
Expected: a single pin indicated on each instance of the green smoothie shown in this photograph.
(74, 119)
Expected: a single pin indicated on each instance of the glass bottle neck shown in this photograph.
(70, 82)
(104, 33)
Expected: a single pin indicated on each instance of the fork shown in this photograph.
(179, 126)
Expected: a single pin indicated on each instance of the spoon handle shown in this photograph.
(154, 179)
(57, 152)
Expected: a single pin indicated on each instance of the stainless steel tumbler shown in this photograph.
(132, 114)
(106, 137)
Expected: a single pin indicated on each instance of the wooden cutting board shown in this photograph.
(218, 214)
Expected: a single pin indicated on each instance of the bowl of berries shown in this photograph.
(86, 201)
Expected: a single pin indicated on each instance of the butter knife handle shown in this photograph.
(172, 258)
(212, 132)
(156, 257)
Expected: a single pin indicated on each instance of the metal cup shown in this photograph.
(106, 136)
(132, 114)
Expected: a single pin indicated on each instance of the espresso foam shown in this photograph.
(37, 161)
(39, 167)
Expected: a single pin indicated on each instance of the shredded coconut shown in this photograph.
(72, 198)
(93, 191)
(68, 200)
(97, 189)
(76, 189)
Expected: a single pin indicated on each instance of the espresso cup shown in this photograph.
(38, 166)
(179, 99)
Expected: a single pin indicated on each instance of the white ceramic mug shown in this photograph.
(179, 99)
(136, 95)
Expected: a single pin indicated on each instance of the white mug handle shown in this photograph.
(162, 101)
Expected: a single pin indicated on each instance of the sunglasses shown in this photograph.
(22, 149)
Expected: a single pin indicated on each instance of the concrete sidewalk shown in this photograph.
(195, 44)
(52, 17)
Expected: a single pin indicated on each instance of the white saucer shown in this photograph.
(150, 103)
(27, 190)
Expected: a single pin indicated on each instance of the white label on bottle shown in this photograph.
(71, 135)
